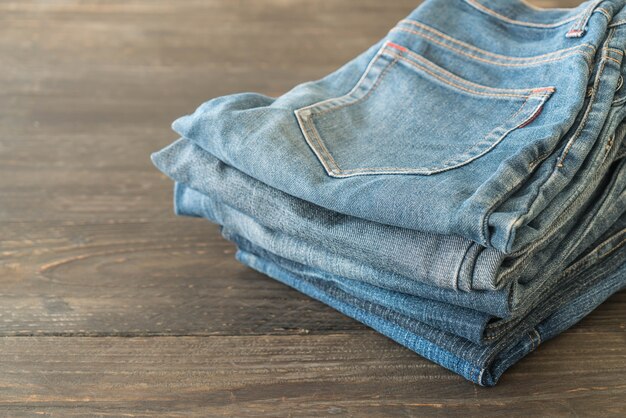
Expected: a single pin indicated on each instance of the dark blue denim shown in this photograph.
(593, 279)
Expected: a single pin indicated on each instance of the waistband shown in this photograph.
(522, 30)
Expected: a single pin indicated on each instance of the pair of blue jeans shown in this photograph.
(471, 137)
(460, 186)
(215, 124)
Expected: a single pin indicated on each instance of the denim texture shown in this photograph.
(482, 364)
(460, 186)
(504, 152)
(444, 261)
(486, 316)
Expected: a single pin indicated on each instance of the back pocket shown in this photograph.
(407, 115)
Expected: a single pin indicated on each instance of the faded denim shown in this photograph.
(444, 261)
(489, 312)
(592, 280)
(460, 186)
(523, 123)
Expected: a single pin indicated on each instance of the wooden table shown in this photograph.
(111, 305)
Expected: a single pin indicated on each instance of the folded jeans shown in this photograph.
(485, 174)
(481, 364)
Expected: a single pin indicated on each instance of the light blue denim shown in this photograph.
(460, 186)
(465, 265)
(469, 118)
(444, 261)
(477, 316)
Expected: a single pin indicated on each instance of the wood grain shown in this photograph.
(110, 305)
(312, 375)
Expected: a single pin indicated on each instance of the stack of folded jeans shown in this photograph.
(459, 187)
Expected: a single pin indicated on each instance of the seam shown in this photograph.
(371, 90)
(600, 247)
(497, 330)
(443, 36)
(558, 163)
(620, 84)
(447, 165)
(313, 138)
(352, 91)
(526, 253)
(321, 147)
(447, 37)
(574, 268)
(588, 225)
(583, 123)
(305, 127)
(521, 349)
(605, 12)
(578, 51)
(484, 140)
(617, 51)
(614, 60)
(617, 23)
(480, 377)
(458, 85)
(435, 67)
(618, 101)
(539, 159)
(581, 127)
(309, 120)
(493, 13)
(570, 202)
(458, 270)
(581, 23)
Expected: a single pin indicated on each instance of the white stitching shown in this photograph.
(493, 13)
(449, 38)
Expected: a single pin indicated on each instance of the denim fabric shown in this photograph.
(444, 261)
(380, 126)
(440, 260)
(513, 300)
(487, 317)
(460, 186)
(481, 364)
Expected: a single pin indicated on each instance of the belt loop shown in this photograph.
(578, 29)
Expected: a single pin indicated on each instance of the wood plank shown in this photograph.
(143, 278)
(312, 375)
(91, 254)
(89, 244)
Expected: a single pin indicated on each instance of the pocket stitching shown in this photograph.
(457, 86)
(440, 72)
(445, 37)
(319, 148)
(596, 84)
(309, 122)
(525, 63)
(451, 164)
(379, 79)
